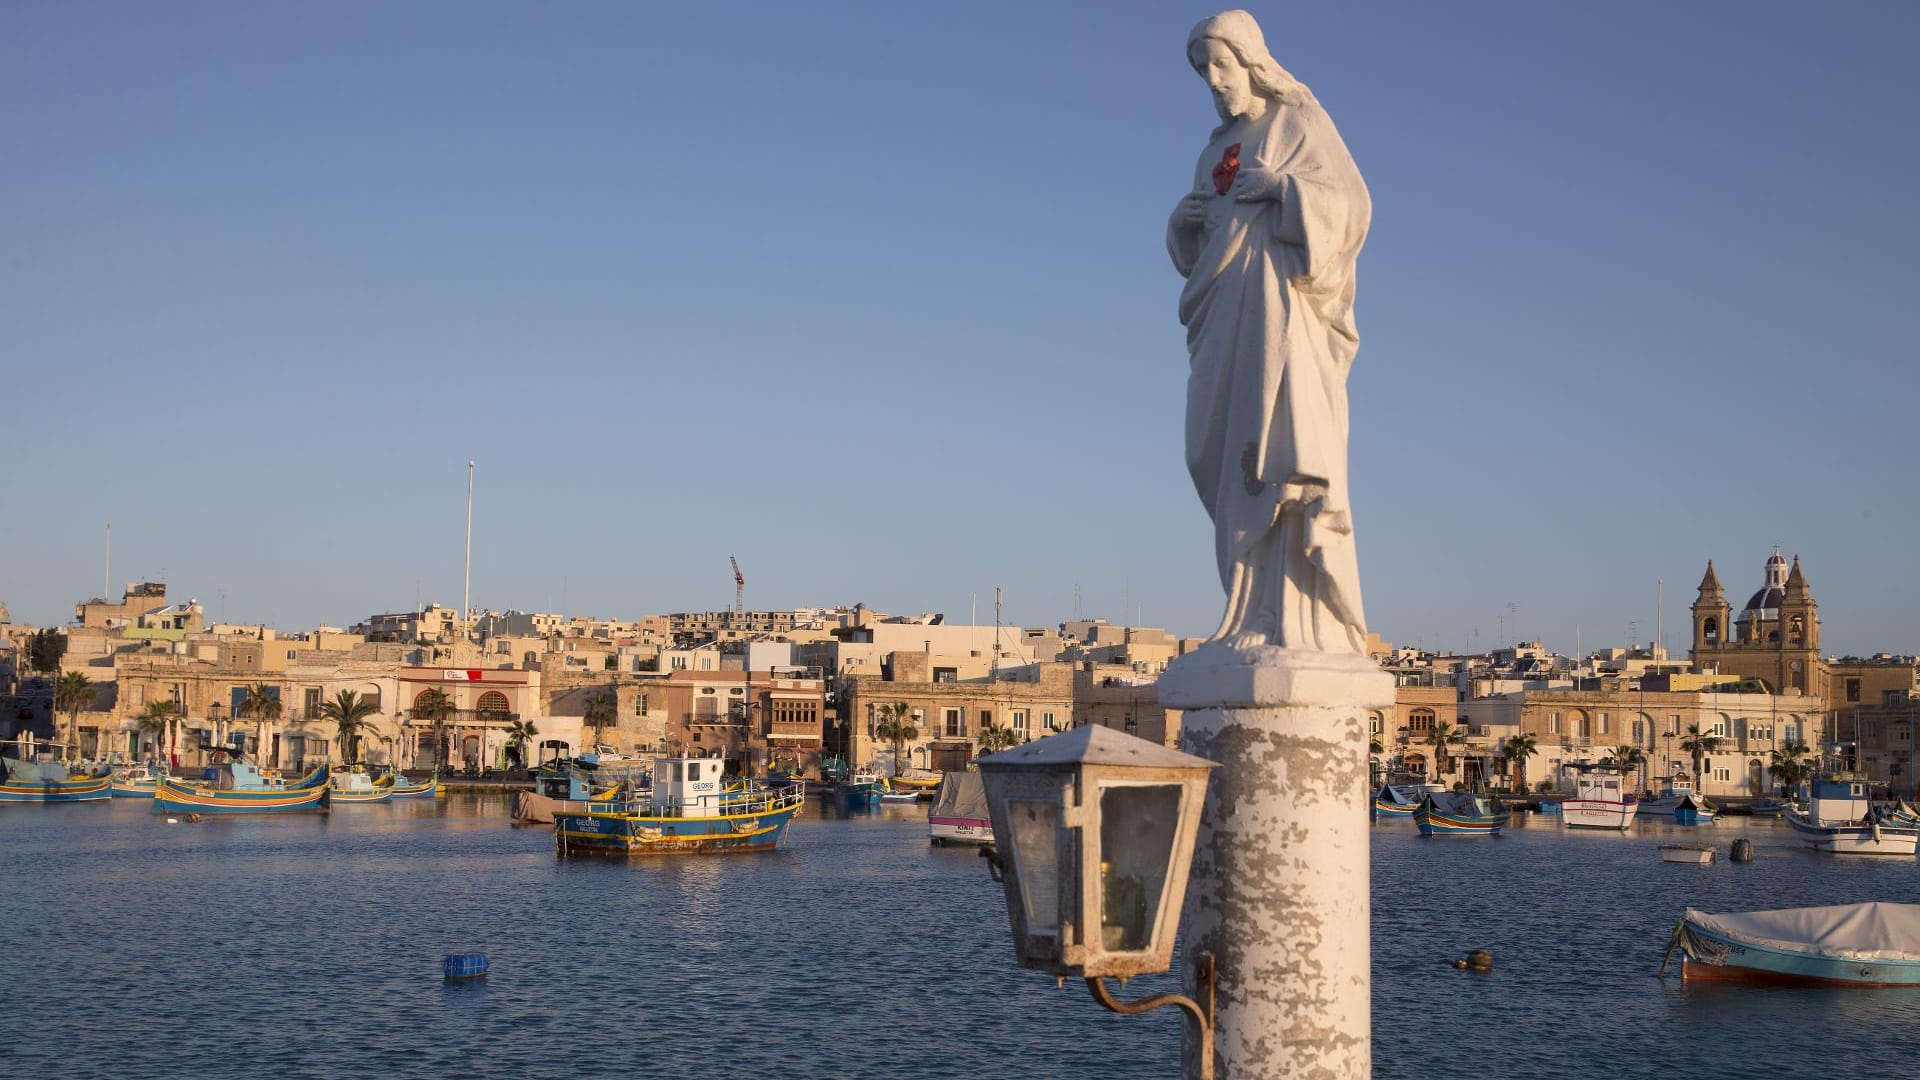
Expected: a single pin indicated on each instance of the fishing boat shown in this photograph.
(1459, 813)
(687, 809)
(135, 781)
(1599, 800)
(49, 782)
(1771, 807)
(918, 780)
(1841, 819)
(1678, 798)
(356, 785)
(1396, 800)
(959, 811)
(899, 796)
(1872, 944)
(864, 787)
(572, 787)
(425, 789)
(240, 788)
(1698, 854)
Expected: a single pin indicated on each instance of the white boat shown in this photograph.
(1841, 819)
(959, 812)
(1699, 854)
(1876, 944)
(1599, 800)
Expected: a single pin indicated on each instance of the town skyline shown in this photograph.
(265, 312)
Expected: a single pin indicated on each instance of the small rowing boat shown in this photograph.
(1459, 813)
(1873, 944)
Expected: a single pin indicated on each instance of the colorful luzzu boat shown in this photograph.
(1396, 800)
(48, 782)
(239, 788)
(356, 785)
(1458, 813)
(689, 809)
(864, 787)
(1875, 944)
(425, 789)
(134, 782)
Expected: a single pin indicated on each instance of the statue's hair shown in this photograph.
(1240, 33)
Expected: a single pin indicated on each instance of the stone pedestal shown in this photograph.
(1279, 892)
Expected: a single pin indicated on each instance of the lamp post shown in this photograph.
(1093, 836)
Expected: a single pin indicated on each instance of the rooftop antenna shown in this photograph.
(995, 676)
(1659, 625)
(106, 572)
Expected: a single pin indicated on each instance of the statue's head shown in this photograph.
(1230, 53)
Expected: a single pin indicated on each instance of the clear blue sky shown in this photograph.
(874, 297)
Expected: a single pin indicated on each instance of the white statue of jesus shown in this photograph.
(1267, 240)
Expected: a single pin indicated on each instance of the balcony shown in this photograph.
(467, 717)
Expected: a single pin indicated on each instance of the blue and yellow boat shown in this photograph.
(49, 782)
(688, 809)
(1396, 800)
(1458, 813)
(239, 788)
(425, 789)
(357, 785)
(135, 782)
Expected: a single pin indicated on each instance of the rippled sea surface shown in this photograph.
(311, 947)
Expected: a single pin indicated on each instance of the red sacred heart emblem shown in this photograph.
(1223, 173)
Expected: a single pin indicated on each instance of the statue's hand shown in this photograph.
(1191, 212)
(1254, 184)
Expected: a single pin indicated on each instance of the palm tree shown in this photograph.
(997, 738)
(1699, 746)
(1628, 759)
(261, 704)
(599, 713)
(1517, 750)
(1440, 737)
(434, 706)
(349, 712)
(519, 734)
(894, 723)
(158, 722)
(1790, 766)
(71, 694)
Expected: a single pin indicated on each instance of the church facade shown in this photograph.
(1774, 638)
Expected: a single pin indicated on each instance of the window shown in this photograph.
(956, 724)
(946, 674)
(493, 706)
(1639, 730)
(1673, 724)
(1722, 775)
(640, 706)
(693, 770)
(1020, 721)
(1047, 721)
(1420, 721)
(1553, 723)
(676, 768)
(1602, 728)
(986, 719)
(1853, 689)
(1719, 729)
(1893, 699)
(311, 702)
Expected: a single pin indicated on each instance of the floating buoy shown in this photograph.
(1743, 850)
(1477, 960)
(463, 966)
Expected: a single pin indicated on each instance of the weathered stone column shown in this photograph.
(1279, 892)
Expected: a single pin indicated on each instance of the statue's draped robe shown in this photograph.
(1268, 308)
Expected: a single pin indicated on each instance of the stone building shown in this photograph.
(1775, 638)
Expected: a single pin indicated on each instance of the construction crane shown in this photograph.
(739, 588)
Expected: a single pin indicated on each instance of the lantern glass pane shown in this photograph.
(1136, 843)
(1036, 854)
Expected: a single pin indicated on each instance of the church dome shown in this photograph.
(1766, 602)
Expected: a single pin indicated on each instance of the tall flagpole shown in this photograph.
(466, 590)
(106, 570)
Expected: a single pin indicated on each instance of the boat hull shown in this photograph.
(57, 791)
(424, 791)
(1686, 853)
(1436, 823)
(134, 789)
(1707, 956)
(614, 832)
(309, 795)
(1391, 810)
(1855, 839)
(945, 830)
(1597, 814)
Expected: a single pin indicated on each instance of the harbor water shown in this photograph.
(313, 947)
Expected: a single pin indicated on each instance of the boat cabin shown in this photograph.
(689, 786)
(1598, 783)
(1840, 799)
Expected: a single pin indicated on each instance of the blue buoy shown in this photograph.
(461, 966)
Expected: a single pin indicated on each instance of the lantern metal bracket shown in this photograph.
(1201, 1011)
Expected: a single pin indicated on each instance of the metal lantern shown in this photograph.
(1093, 832)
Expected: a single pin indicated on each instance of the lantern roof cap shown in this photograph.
(1094, 744)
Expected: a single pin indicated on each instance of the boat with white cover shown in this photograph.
(1874, 944)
